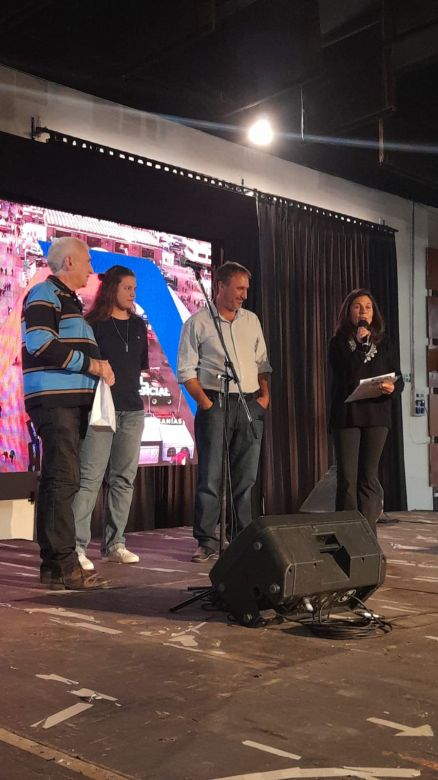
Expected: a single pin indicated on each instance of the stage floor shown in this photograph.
(111, 685)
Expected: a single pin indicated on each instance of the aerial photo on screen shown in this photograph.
(25, 234)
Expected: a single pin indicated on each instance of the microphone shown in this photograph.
(363, 324)
(194, 265)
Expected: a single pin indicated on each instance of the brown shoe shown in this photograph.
(84, 580)
(78, 579)
(203, 554)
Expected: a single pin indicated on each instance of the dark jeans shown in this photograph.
(60, 430)
(358, 452)
(244, 454)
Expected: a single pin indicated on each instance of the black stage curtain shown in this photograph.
(308, 263)
(382, 280)
(303, 269)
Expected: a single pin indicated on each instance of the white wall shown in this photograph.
(74, 113)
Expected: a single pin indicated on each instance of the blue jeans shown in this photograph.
(244, 455)
(117, 455)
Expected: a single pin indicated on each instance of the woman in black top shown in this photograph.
(122, 339)
(360, 350)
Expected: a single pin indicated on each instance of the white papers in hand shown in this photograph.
(369, 388)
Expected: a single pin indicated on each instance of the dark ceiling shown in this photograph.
(345, 81)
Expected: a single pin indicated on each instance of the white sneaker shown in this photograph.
(121, 555)
(85, 562)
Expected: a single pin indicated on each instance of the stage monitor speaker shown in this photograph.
(299, 565)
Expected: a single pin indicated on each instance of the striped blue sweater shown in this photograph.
(57, 344)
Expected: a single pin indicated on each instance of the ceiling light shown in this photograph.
(261, 132)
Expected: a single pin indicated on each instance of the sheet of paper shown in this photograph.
(370, 388)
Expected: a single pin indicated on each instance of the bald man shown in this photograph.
(60, 366)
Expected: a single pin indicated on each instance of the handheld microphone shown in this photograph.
(194, 265)
(363, 324)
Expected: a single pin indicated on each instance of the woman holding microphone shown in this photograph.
(361, 350)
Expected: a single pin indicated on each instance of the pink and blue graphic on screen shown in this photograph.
(167, 293)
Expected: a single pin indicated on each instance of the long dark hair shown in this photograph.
(106, 295)
(345, 325)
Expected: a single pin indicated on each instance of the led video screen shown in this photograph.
(167, 294)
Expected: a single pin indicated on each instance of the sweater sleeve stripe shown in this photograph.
(69, 357)
(39, 303)
(41, 328)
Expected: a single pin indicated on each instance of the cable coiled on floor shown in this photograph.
(364, 625)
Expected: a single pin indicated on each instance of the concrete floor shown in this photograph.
(188, 696)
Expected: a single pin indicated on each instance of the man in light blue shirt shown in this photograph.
(200, 365)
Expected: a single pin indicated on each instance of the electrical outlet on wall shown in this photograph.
(418, 403)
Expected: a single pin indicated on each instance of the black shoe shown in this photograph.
(203, 554)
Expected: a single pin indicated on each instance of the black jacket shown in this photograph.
(348, 367)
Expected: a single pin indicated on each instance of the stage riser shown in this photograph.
(17, 519)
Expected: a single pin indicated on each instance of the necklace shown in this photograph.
(125, 341)
(371, 352)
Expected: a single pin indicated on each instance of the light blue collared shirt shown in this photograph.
(201, 356)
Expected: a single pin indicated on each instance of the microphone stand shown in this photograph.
(228, 375)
